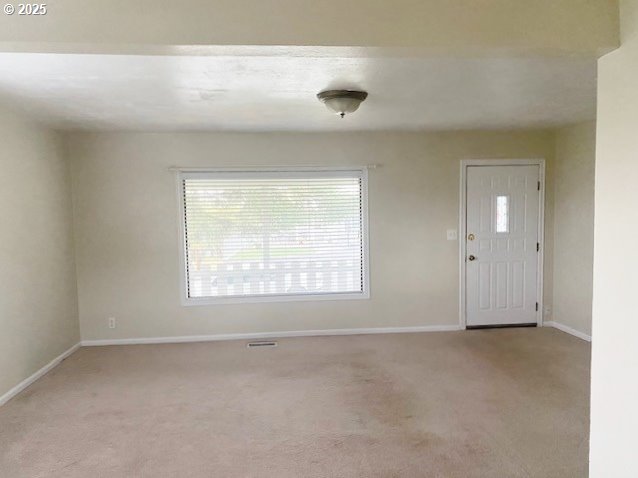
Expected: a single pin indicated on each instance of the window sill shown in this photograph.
(189, 302)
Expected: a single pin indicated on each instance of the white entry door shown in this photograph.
(502, 244)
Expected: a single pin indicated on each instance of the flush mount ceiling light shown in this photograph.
(342, 102)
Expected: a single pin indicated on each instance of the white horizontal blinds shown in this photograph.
(273, 233)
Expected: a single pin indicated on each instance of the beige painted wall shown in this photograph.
(614, 415)
(127, 227)
(459, 26)
(574, 225)
(38, 298)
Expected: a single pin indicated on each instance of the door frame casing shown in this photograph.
(465, 163)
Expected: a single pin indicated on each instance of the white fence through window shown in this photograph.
(287, 277)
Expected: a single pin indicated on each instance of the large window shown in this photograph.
(274, 235)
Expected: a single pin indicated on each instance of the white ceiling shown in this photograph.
(267, 93)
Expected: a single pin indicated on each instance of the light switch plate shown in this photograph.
(451, 235)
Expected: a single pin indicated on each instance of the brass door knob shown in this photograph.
(472, 258)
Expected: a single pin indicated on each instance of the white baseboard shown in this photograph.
(270, 335)
(569, 330)
(29, 380)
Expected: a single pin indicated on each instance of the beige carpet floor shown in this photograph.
(486, 403)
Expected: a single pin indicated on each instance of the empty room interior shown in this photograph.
(319, 239)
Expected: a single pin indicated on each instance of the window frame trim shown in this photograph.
(301, 172)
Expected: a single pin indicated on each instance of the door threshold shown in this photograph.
(500, 326)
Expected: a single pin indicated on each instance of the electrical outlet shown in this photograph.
(451, 235)
(112, 323)
(547, 311)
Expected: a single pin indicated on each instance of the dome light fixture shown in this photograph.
(342, 102)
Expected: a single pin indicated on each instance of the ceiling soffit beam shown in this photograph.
(424, 27)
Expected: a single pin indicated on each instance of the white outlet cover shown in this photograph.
(451, 235)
